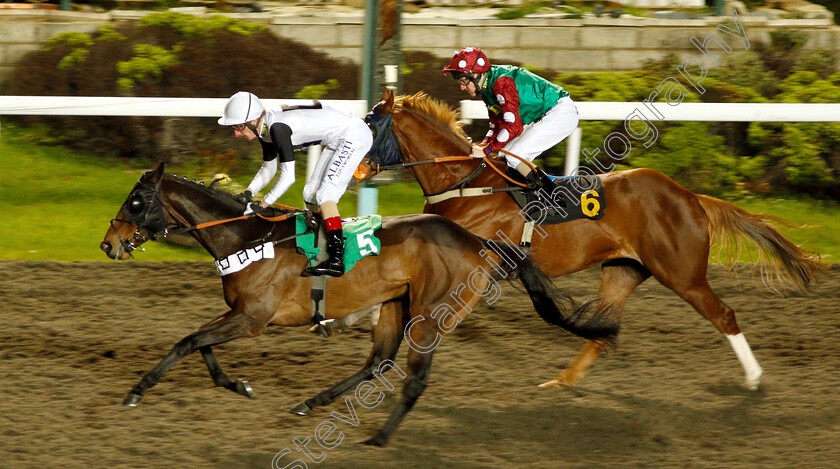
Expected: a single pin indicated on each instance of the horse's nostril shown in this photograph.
(105, 246)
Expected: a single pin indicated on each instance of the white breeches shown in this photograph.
(339, 160)
(539, 136)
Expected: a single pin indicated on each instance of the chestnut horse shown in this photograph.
(423, 259)
(651, 227)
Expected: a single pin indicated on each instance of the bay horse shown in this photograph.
(423, 259)
(651, 227)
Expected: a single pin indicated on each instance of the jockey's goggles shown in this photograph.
(460, 75)
(243, 126)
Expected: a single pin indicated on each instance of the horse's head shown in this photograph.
(427, 129)
(160, 204)
(385, 150)
(140, 218)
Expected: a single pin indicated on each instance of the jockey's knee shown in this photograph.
(309, 193)
(329, 192)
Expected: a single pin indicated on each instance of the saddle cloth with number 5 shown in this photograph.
(359, 239)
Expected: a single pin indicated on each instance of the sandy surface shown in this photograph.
(76, 337)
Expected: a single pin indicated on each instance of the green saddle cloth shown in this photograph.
(359, 239)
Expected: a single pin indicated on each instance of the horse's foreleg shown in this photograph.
(387, 335)
(419, 365)
(618, 280)
(226, 328)
(220, 378)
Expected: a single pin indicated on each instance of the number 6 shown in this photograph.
(589, 206)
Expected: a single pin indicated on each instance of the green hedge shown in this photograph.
(719, 157)
(180, 55)
(176, 55)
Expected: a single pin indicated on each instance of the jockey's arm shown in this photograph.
(507, 124)
(278, 149)
(284, 182)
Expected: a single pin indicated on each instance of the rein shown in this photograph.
(458, 189)
(152, 232)
(208, 224)
(450, 159)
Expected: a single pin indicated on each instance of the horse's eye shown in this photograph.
(136, 204)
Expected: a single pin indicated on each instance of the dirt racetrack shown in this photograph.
(76, 336)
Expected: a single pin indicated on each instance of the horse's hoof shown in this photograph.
(132, 399)
(317, 329)
(554, 384)
(322, 329)
(243, 388)
(377, 440)
(752, 382)
(301, 409)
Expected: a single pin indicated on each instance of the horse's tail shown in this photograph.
(781, 261)
(600, 325)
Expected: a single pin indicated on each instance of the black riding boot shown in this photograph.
(545, 179)
(534, 179)
(540, 180)
(334, 266)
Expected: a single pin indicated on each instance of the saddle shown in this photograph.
(570, 198)
(359, 241)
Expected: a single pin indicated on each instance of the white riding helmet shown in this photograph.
(242, 107)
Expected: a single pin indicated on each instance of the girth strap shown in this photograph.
(527, 233)
(463, 192)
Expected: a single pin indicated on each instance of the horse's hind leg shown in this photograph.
(421, 336)
(618, 280)
(220, 378)
(387, 335)
(336, 326)
(711, 307)
(226, 328)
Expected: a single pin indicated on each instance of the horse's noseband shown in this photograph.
(145, 210)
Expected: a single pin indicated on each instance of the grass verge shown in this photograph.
(56, 205)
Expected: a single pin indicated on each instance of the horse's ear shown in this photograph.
(153, 176)
(387, 101)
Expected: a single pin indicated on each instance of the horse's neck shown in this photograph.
(422, 141)
(436, 177)
(194, 206)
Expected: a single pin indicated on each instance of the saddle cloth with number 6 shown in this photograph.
(359, 239)
(571, 198)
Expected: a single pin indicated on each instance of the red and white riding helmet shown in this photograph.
(468, 60)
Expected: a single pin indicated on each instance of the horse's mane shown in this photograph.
(214, 192)
(436, 111)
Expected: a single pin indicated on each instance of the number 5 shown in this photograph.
(365, 242)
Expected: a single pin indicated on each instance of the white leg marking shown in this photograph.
(374, 318)
(752, 369)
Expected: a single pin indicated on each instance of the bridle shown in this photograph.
(147, 211)
(385, 151)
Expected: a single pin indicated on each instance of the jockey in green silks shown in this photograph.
(528, 114)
